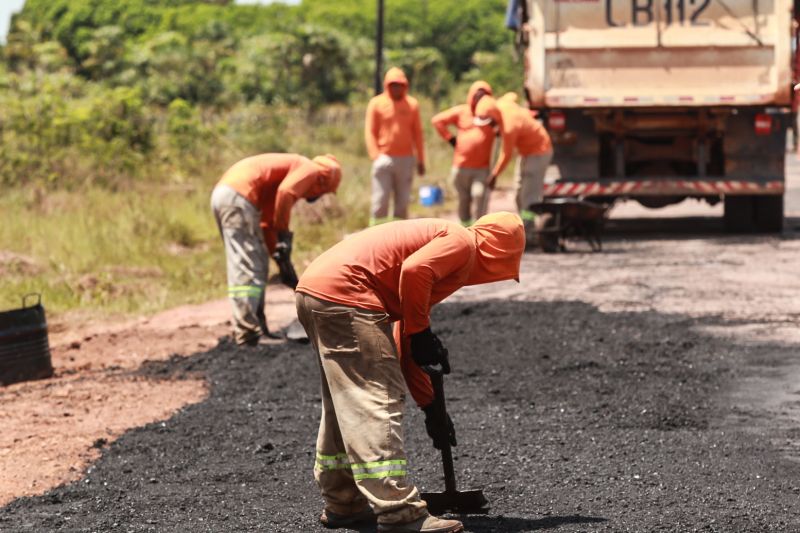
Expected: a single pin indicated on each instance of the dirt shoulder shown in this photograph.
(55, 428)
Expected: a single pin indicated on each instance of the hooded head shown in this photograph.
(479, 88)
(395, 75)
(486, 111)
(510, 97)
(500, 240)
(330, 176)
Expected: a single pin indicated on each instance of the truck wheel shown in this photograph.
(739, 216)
(769, 213)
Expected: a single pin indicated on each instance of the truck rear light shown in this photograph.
(556, 121)
(763, 124)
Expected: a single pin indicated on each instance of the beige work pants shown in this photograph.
(391, 177)
(529, 179)
(360, 455)
(473, 194)
(247, 260)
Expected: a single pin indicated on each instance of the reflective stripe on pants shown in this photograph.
(360, 455)
(246, 259)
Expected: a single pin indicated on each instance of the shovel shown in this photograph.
(451, 500)
(294, 331)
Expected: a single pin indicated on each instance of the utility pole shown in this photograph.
(379, 49)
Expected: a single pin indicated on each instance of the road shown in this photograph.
(653, 386)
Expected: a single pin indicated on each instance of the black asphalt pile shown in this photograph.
(570, 419)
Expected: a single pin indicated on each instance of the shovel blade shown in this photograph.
(296, 332)
(458, 502)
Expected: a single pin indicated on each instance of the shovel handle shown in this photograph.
(447, 455)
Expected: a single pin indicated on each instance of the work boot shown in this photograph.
(334, 521)
(426, 524)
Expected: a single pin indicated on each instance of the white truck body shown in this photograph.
(596, 53)
(662, 100)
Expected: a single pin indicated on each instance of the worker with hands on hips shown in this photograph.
(365, 304)
(477, 123)
(252, 204)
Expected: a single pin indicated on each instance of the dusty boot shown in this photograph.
(426, 524)
(334, 521)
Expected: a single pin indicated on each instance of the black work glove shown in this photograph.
(452, 141)
(441, 431)
(428, 350)
(283, 248)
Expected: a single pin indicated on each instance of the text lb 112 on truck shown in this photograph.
(662, 100)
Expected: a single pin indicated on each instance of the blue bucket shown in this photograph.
(430, 195)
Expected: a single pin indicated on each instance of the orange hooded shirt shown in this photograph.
(520, 131)
(404, 268)
(274, 182)
(394, 127)
(473, 143)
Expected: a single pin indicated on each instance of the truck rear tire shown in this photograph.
(769, 213)
(749, 214)
(739, 215)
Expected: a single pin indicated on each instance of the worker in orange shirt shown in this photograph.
(529, 137)
(252, 204)
(476, 123)
(393, 133)
(347, 300)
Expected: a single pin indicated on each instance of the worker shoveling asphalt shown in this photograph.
(252, 205)
(347, 301)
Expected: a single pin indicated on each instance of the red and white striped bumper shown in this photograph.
(662, 187)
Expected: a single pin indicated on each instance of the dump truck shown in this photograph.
(658, 101)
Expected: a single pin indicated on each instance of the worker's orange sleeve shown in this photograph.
(270, 237)
(421, 270)
(418, 382)
(509, 140)
(372, 126)
(442, 121)
(295, 186)
(419, 141)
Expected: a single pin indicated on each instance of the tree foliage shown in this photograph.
(90, 89)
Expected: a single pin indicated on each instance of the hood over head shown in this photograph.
(394, 75)
(329, 177)
(486, 111)
(500, 240)
(510, 97)
(474, 88)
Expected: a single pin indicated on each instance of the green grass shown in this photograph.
(154, 244)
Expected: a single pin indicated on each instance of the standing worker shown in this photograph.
(252, 204)
(475, 122)
(530, 138)
(347, 300)
(393, 133)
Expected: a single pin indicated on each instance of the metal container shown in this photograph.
(24, 347)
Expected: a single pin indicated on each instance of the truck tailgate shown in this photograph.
(633, 53)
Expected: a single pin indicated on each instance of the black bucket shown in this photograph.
(24, 348)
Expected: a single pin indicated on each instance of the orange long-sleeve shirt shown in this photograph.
(274, 182)
(393, 127)
(520, 131)
(404, 268)
(473, 143)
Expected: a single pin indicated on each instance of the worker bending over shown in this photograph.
(393, 133)
(531, 140)
(347, 300)
(252, 204)
(476, 124)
